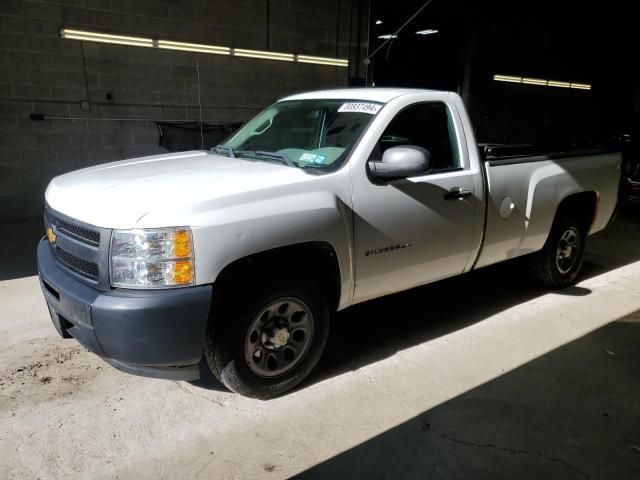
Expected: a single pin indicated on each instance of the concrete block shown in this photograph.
(9, 125)
(96, 126)
(72, 48)
(182, 71)
(78, 16)
(117, 139)
(74, 109)
(11, 75)
(78, 80)
(12, 24)
(52, 140)
(33, 92)
(49, 28)
(47, 77)
(133, 126)
(9, 155)
(25, 59)
(12, 7)
(147, 137)
(45, 44)
(181, 14)
(9, 173)
(103, 155)
(13, 41)
(124, 6)
(65, 63)
(35, 157)
(155, 9)
(50, 109)
(13, 108)
(34, 126)
(85, 140)
(97, 4)
(43, 11)
(68, 94)
(71, 127)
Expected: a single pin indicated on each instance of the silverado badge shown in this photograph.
(51, 235)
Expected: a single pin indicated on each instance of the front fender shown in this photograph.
(235, 232)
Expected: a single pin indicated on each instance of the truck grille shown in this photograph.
(77, 231)
(88, 269)
(79, 247)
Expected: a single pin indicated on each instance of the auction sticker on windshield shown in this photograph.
(360, 107)
(313, 158)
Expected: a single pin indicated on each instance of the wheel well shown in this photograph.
(583, 204)
(317, 260)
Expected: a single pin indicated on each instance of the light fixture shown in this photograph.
(533, 81)
(193, 47)
(507, 78)
(541, 82)
(428, 31)
(387, 36)
(336, 62)
(581, 86)
(555, 83)
(266, 55)
(72, 34)
(378, 22)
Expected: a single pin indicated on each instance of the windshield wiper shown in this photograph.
(225, 149)
(269, 156)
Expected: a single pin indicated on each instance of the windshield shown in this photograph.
(303, 133)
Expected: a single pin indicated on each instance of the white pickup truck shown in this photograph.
(236, 258)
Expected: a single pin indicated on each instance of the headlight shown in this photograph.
(157, 258)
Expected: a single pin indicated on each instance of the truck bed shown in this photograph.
(525, 187)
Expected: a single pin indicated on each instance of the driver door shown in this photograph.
(412, 231)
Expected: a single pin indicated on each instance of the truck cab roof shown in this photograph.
(382, 95)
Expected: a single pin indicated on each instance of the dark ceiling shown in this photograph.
(572, 41)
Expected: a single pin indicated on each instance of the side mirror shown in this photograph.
(400, 162)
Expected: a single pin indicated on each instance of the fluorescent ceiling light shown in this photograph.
(387, 36)
(378, 22)
(555, 83)
(71, 34)
(428, 31)
(241, 52)
(534, 81)
(336, 62)
(541, 82)
(581, 86)
(507, 78)
(193, 47)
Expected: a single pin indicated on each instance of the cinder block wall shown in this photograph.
(128, 88)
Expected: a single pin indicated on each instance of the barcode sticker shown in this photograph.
(360, 107)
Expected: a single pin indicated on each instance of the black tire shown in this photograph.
(228, 333)
(546, 267)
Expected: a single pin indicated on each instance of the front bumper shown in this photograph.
(153, 333)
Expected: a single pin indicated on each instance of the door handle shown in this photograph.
(456, 193)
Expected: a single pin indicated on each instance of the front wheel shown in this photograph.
(266, 343)
(558, 264)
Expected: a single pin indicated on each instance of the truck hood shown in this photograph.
(146, 191)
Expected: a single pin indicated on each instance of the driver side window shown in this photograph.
(428, 125)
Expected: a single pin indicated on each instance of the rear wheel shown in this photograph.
(558, 264)
(266, 342)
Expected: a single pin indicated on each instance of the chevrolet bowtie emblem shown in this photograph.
(51, 236)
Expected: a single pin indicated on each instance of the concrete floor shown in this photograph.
(483, 376)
